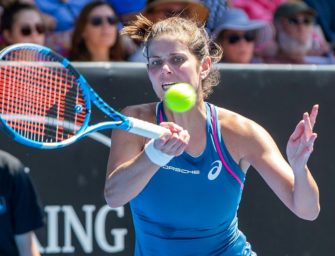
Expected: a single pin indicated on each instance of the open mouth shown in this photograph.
(166, 86)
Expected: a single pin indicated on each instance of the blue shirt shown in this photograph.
(189, 206)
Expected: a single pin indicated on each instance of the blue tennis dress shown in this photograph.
(189, 206)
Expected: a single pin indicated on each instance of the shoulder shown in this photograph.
(145, 112)
(236, 123)
(10, 163)
(241, 134)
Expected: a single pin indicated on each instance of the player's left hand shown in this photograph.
(301, 142)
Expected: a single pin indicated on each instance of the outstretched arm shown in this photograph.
(299, 149)
(291, 181)
(130, 166)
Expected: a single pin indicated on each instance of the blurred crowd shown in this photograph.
(249, 31)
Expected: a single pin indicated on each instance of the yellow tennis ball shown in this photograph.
(180, 97)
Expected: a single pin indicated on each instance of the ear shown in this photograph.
(205, 67)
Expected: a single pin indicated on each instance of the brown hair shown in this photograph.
(186, 30)
(78, 50)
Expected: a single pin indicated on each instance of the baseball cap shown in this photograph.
(195, 7)
(236, 19)
(290, 9)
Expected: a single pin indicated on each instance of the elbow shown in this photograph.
(310, 215)
(111, 199)
(314, 214)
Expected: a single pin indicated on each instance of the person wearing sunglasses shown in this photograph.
(22, 23)
(237, 35)
(295, 36)
(156, 10)
(96, 36)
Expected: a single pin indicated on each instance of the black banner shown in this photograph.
(70, 180)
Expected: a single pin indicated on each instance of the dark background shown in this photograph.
(274, 96)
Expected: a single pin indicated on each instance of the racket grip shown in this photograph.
(145, 128)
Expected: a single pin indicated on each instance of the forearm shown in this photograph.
(128, 180)
(26, 244)
(305, 195)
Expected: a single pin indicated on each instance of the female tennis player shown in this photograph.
(185, 187)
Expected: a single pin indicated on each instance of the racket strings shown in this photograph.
(39, 97)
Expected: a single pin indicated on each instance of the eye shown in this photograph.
(177, 60)
(155, 63)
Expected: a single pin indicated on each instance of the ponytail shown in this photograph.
(139, 29)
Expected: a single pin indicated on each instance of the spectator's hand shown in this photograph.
(300, 144)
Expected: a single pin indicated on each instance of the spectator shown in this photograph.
(20, 209)
(96, 36)
(49, 21)
(216, 9)
(127, 9)
(22, 23)
(64, 12)
(156, 10)
(294, 24)
(236, 34)
(261, 10)
(326, 18)
(258, 9)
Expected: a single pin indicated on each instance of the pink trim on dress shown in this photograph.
(219, 150)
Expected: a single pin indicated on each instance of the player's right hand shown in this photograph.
(173, 143)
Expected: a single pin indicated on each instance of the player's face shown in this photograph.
(170, 61)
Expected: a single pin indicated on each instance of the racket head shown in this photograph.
(44, 101)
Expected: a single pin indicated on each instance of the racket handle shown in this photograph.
(145, 128)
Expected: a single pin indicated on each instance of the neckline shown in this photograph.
(161, 117)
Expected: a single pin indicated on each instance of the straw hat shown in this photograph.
(195, 7)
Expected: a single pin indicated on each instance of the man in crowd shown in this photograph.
(294, 27)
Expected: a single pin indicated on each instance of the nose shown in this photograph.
(166, 68)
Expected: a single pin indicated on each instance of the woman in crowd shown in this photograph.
(96, 36)
(22, 23)
(237, 35)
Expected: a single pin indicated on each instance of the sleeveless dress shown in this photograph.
(189, 206)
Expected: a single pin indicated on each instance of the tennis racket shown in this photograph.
(46, 103)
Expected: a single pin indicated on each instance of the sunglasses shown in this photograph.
(99, 20)
(235, 38)
(307, 21)
(27, 30)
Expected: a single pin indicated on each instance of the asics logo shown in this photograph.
(215, 171)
